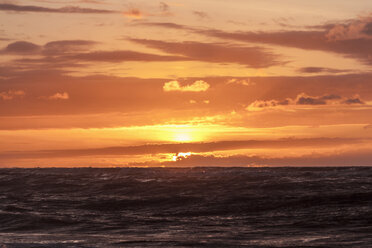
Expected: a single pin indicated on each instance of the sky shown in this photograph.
(171, 83)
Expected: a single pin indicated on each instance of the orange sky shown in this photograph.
(185, 83)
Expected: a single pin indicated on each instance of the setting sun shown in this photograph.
(177, 123)
(182, 137)
(201, 75)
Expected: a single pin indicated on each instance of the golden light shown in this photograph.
(182, 137)
(181, 155)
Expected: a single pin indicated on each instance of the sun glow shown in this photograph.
(183, 137)
(181, 155)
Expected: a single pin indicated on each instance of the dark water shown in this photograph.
(201, 207)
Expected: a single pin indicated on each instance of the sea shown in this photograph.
(186, 207)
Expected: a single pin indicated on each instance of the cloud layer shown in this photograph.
(304, 99)
(184, 147)
(69, 9)
(255, 57)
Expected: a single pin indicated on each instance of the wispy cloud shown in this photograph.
(134, 13)
(351, 38)
(354, 29)
(201, 14)
(304, 99)
(320, 70)
(68, 9)
(255, 57)
(59, 96)
(70, 53)
(358, 47)
(164, 7)
(51, 48)
(21, 47)
(11, 94)
(197, 86)
(186, 147)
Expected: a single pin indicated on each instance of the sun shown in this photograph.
(182, 137)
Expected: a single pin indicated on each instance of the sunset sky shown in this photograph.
(185, 83)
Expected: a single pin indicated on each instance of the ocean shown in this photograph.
(186, 207)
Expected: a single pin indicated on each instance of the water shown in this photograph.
(194, 207)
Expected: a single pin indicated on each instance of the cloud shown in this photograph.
(320, 70)
(134, 13)
(11, 94)
(245, 82)
(368, 28)
(255, 57)
(268, 103)
(352, 158)
(69, 53)
(68, 9)
(185, 147)
(129, 96)
(66, 46)
(354, 29)
(164, 7)
(197, 86)
(355, 100)
(166, 25)
(50, 48)
(351, 39)
(21, 47)
(304, 99)
(118, 56)
(359, 48)
(137, 14)
(59, 96)
(201, 14)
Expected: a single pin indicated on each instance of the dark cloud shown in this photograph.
(60, 52)
(51, 48)
(352, 39)
(21, 47)
(254, 57)
(121, 56)
(368, 28)
(68, 53)
(359, 48)
(69, 9)
(360, 158)
(185, 147)
(304, 99)
(320, 70)
(330, 97)
(308, 100)
(353, 101)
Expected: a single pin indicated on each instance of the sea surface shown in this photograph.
(179, 207)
